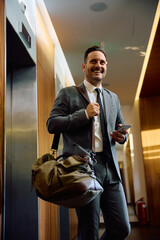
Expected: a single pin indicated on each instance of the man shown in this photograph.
(72, 116)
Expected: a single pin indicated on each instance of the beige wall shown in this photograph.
(132, 158)
(137, 155)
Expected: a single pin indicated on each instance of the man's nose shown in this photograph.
(98, 64)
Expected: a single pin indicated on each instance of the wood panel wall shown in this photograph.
(150, 133)
(73, 224)
(2, 85)
(48, 213)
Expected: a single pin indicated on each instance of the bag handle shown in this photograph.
(56, 138)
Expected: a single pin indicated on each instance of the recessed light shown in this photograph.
(98, 6)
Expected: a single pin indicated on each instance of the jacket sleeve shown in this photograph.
(120, 120)
(64, 117)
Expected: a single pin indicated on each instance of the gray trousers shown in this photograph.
(112, 203)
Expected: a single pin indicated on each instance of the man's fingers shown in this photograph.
(92, 109)
(118, 137)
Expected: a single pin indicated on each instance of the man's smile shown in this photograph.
(96, 71)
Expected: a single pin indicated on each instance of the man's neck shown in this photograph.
(97, 84)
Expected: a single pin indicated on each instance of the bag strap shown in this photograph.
(55, 141)
(56, 138)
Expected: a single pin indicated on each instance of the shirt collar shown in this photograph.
(91, 87)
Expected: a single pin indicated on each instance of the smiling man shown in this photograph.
(72, 115)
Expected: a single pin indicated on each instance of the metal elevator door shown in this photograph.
(20, 204)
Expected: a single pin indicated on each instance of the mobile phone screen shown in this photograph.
(126, 126)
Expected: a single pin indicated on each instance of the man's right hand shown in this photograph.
(93, 109)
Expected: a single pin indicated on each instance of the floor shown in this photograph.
(138, 232)
(144, 233)
(141, 233)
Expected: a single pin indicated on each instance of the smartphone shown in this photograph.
(125, 126)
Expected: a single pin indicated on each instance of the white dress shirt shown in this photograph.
(92, 94)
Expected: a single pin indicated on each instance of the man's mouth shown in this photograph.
(96, 71)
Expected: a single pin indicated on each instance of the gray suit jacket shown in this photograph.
(68, 117)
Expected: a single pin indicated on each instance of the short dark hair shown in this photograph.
(92, 49)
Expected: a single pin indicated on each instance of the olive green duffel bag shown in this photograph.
(69, 183)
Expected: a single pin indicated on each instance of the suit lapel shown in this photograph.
(81, 88)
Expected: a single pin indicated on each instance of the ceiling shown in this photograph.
(122, 29)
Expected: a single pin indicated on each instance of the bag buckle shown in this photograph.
(92, 156)
(53, 152)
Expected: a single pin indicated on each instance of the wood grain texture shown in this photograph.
(149, 103)
(150, 133)
(73, 224)
(151, 84)
(48, 213)
(2, 93)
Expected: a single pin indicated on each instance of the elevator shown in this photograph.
(20, 215)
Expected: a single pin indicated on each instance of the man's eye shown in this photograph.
(102, 62)
(93, 61)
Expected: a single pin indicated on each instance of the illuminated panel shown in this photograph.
(151, 144)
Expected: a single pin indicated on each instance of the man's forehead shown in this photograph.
(96, 55)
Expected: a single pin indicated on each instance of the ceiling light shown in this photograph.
(98, 6)
(142, 54)
(134, 48)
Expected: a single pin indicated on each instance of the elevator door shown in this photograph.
(20, 204)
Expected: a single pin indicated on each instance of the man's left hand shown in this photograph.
(117, 136)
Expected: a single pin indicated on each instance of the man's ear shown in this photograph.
(83, 67)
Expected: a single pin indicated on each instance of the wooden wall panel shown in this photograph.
(151, 84)
(2, 82)
(73, 224)
(48, 213)
(150, 132)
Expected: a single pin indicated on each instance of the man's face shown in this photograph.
(95, 68)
